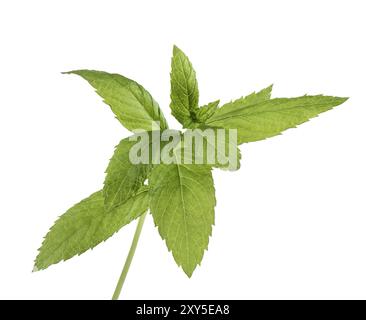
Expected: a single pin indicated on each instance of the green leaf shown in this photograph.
(269, 118)
(184, 88)
(182, 204)
(207, 111)
(133, 106)
(85, 225)
(123, 178)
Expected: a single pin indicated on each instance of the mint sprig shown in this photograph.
(180, 197)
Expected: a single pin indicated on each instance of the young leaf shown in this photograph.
(133, 106)
(269, 118)
(85, 225)
(184, 88)
(123, 178)
(182, 204)
(207, 111)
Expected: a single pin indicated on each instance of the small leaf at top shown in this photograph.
(207, 111)
(184, 87)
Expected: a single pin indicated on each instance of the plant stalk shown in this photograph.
(129, 258)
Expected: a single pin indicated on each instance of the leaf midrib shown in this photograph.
(184, 212)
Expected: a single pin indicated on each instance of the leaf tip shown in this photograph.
(70, 72)
(344, 99)
(188, 270)
(177, 51)
(340, 100)
(188, 273)
(35, 268)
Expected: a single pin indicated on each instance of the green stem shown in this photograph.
(129, 258)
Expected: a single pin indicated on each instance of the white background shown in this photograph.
(290, 224)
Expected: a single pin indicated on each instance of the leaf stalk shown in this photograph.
(129, 258)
